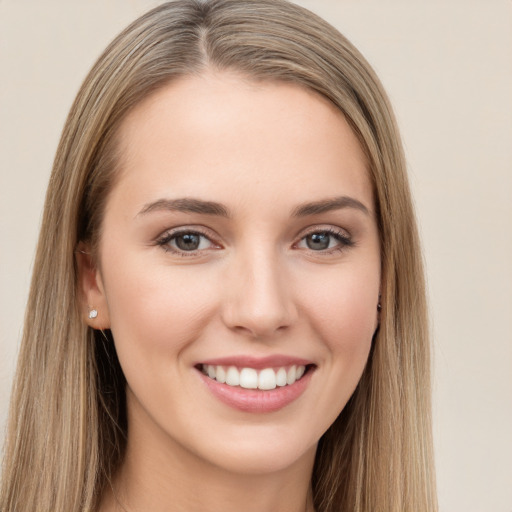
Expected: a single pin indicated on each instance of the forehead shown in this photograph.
(223, 134)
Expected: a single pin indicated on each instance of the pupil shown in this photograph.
(318, 241)
(188, 242)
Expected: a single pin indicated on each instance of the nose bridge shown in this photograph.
(259, 301)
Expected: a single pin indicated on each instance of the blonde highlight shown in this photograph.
(67, 428)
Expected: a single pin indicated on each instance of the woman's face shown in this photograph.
(239, 244)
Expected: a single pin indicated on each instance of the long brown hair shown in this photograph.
(67, 428)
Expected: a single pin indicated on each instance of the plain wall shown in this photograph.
(447, 66)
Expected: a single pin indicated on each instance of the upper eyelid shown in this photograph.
(200, 230)
(166, 236)
(343, 239)
(323, 227)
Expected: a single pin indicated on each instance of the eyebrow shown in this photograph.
(192, 205)
(327, 205)
(187, 205)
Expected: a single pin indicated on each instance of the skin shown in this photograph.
(254, 287)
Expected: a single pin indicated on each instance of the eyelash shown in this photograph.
(164, 241)
(344, 241)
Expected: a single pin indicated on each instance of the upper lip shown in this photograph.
(258, 363)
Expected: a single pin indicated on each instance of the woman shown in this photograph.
(228, 305)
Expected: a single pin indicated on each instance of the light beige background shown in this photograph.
(447, 66)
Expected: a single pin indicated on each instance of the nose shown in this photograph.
(258, 298)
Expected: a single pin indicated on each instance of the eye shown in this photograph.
(325, 240)
(185, 241)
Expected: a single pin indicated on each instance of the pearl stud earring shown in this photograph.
(93, 313)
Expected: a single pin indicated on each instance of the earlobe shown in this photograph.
(93, 300)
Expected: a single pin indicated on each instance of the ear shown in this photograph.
(92, 292)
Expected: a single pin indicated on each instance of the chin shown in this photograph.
(261, 455)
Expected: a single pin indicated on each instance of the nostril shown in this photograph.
(260, 330)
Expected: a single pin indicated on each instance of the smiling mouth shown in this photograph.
(250, 378)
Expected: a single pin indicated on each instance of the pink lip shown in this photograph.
(254, 400)
(258, 363)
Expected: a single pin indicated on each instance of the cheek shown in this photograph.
(343, 313)
(155, 309)
(347, 300)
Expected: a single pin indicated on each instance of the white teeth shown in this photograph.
(281, 377)
(249, 378)
(291, 377)
(221, 374)
(232, 376)
(267, 379)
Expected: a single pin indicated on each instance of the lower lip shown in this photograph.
(257, 401)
